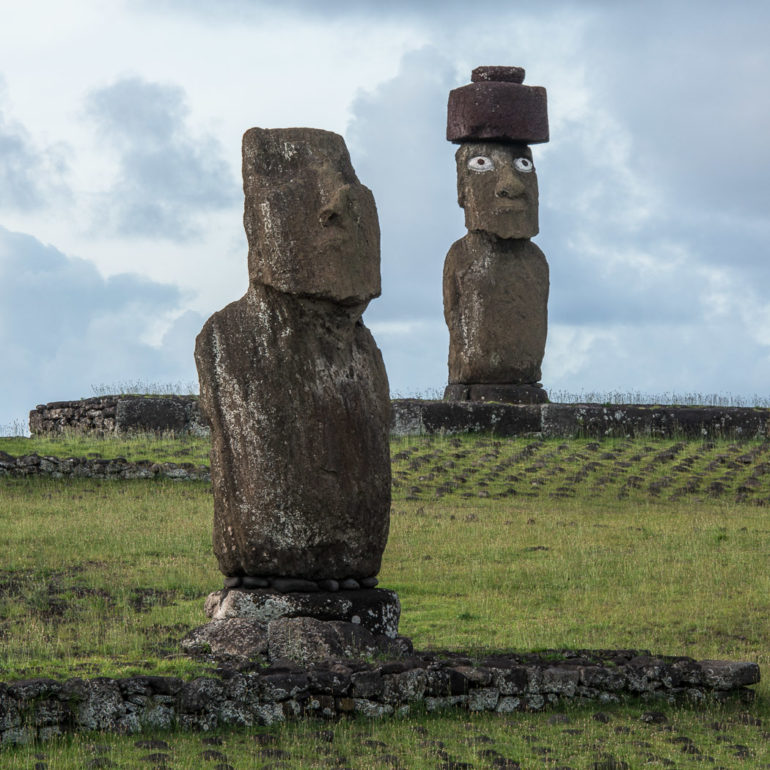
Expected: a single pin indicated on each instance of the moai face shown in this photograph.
(312, 227)
(497, 187)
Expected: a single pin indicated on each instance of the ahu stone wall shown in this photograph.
(119, 414)
(409, 417)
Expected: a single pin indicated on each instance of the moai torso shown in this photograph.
(495, 303)
(292, 382)
(495, 279)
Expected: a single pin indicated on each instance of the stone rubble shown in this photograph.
(41, 709)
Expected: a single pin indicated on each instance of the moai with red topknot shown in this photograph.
(495, 279)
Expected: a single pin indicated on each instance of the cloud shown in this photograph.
(396, 141)
(64, 328)
(30, 177)
(637, 292)
(168, 176)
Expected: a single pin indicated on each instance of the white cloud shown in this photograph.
(653, 203)
(167, 176)
(64, 328)
(31, 177)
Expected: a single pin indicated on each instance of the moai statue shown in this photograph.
(292, 382)
(495, 279)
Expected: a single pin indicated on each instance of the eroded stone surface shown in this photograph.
(497, 106)
(292, 383)
(237, 637)
(312, 227)
(377, 609)
(496, 281)
(505, 682)
(495, 305)
(530, 393)
(307, 640)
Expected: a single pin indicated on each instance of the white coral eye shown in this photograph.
(523, 164)
(481, 163)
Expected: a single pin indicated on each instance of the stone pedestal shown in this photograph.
(506, 394)
(265, 626)
(377, 609)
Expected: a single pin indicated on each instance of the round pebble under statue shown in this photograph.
(495, 279)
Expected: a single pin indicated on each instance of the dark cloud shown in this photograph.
(64, 328)
(30, 177)
(168, 176)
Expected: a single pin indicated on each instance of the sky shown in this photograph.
(121, 201)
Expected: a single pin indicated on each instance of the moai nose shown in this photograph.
(330, 215)
(509, 185)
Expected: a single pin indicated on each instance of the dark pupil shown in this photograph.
(480, 161)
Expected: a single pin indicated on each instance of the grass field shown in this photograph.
(495, 544)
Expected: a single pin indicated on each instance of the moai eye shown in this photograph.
(481, 163)
(524, 165)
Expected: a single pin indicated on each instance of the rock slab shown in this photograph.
(378, 610)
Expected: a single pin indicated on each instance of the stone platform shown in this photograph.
(411, 417)
(414, 417)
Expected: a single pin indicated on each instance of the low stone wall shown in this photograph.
(40, 709)
(411, 417)
(119, 414)
(417, 417)
(82, 467)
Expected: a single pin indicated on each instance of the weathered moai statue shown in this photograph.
(292, 382)
(495, 279)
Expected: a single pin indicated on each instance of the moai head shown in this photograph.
(312, 227)
(497, 187)
(494, 119)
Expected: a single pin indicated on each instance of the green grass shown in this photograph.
(725, 737)
(103, 577)
(144, 446)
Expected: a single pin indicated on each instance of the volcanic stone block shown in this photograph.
(151, 414)
(505, 393)
(292, 383)
(237, 637)
(495, 305)
(307, 640)
(376, 609)
(497, 107)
